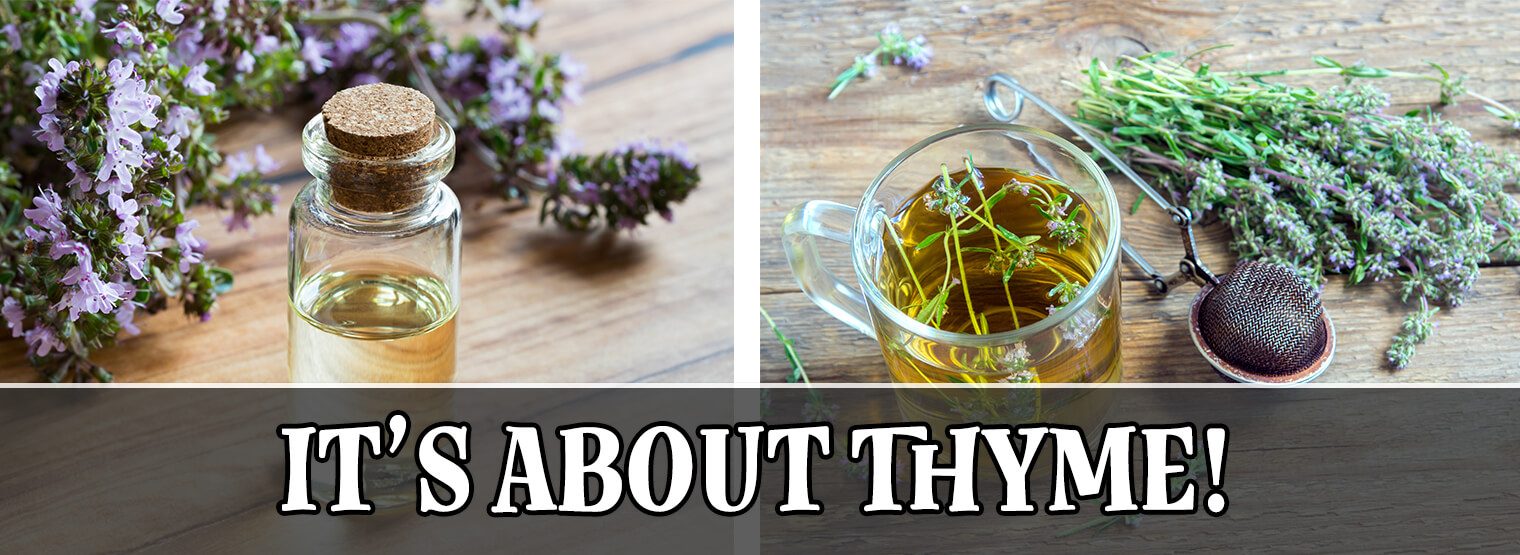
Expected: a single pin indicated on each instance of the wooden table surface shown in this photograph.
(818, 149)
(539, 304)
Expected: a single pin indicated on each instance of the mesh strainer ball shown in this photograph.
(1265, 324)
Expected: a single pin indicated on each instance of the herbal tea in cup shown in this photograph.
(984, 254)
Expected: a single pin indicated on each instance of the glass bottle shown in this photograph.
(374, 250)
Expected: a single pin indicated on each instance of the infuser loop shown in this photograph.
(1189, 268)
(1260, 324)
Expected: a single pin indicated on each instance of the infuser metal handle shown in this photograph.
(1189, 269)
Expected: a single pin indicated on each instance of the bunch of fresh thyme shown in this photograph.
(1009, 254)
(1321, 181)
(108, 106)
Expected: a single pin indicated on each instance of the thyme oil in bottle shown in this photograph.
(374, 252)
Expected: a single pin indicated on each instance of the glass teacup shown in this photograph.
(1077, 344)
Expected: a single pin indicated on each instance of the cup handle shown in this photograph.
(833, 221)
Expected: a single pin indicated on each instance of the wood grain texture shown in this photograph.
(818, 149)
(538, 304)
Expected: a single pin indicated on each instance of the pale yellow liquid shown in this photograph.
(385, 323)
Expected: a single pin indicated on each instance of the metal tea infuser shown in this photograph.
(1258, 324)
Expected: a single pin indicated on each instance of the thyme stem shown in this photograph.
(965, 285)
(897, 240)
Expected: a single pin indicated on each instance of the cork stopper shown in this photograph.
(379, 119)
(375, 125)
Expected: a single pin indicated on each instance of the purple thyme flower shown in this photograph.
(35, 234)
(125, 34)
(51, 133)
(265, 44)
(914, 53)
(312, 53)
(178, 121)
(90, 294)
(12, 37)
(511, 104)
(48, 212)
(867, 65)
(458, 65)
(353, 38)
(130, 104)
(502, 73)
(260, 161)
(239, 164)
(263, 162)
(40, 341)
(114, 189)
(47, 86)
(491, 45)
(126, 211)
(124, 314)
(919, 58)
(522, 16)
(190, 247)
(169, 11)
(13, 314)
(646, 169)
(192, 47)
(586, 193)
(565, 143)
(85, 9)
(244, 62)
(196, 82)
(548, 110)
(219, 9)
(573, 72)
(136, 254)
(77, 249)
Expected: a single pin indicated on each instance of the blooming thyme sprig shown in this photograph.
(1321, 181)
(914, 53)
(623, 187)
(107, 105)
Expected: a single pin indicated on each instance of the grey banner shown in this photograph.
(202, 470)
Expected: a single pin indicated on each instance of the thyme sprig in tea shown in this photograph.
(938, 283)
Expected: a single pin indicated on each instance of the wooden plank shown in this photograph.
(818, 149)
(539, 304)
